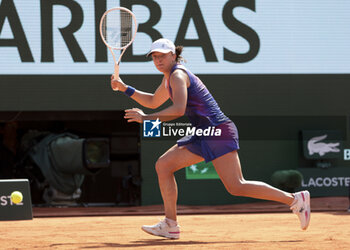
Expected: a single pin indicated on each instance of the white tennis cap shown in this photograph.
(163, 46)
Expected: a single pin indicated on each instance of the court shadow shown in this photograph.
(167, 242)
(135, 244)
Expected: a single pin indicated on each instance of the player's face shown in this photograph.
(163, 61)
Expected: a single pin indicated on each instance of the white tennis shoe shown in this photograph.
(163, 229)
(301, 207)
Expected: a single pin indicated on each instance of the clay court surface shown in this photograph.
(222, 227)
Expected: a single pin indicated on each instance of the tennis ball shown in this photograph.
(16, 197)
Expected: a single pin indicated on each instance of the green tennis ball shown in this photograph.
(16, 197)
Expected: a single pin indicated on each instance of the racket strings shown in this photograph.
(117, 28)
(126, 28)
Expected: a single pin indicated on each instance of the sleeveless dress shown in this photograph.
(205, 114)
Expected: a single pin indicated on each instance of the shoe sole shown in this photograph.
(164, 236)
(308, 209)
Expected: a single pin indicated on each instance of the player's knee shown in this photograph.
(162, 166)
(236, 188)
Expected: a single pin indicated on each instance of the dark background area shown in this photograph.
(86, 105)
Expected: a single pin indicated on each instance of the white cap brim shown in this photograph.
(160, 50)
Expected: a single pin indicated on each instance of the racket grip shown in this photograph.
(116, 73)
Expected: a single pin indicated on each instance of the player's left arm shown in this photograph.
(178, 81)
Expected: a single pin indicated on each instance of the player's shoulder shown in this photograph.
(179, 74)
(179, 77)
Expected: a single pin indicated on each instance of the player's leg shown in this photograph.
(228, 168)
(171, 161)
(174, 159)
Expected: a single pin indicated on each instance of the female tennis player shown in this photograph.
(190, 96)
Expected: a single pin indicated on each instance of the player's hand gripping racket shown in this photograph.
(118, 29)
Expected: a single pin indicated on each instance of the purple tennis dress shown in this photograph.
(204, 113)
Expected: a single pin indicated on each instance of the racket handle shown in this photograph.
(116, 73)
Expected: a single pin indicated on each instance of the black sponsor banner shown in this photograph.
(10, 210)
(326, 182)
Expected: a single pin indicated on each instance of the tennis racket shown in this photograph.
(118, 27)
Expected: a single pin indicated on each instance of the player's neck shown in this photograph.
(168, 72)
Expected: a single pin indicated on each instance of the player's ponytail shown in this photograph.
(178, 51)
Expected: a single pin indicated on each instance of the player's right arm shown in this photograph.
(147, 100)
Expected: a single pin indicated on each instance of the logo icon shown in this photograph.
(151, 128)
(315, 146)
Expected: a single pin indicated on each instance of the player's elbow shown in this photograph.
(179, 111)
(154, 102)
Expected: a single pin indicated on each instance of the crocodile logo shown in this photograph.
(316, 147)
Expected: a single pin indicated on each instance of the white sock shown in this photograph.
(294, 201)
(171, 222)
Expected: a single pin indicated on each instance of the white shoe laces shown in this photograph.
(159, 225)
